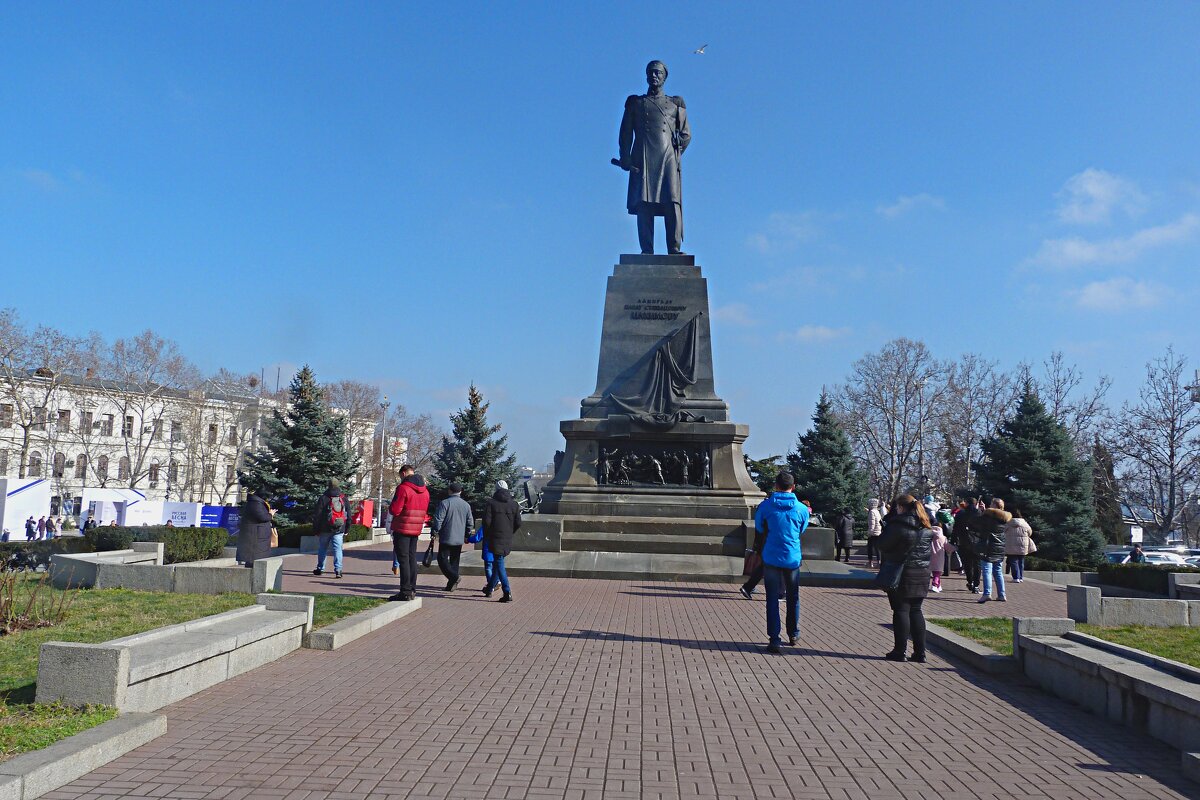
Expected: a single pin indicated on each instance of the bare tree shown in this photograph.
(138, 377)
(34, 366)
(1081, 412)
(888, 406)
(979, 395)
(1157, 445)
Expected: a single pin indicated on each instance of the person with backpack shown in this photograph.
(330, 523)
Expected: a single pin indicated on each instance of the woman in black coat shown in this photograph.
(907, 537)
(501, 520)
(843, 535)
(254, 529)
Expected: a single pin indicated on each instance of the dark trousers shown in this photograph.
(673, 219)
(405, 549)
(838, 553)
(756, 576)
(872, 549)
(448, 560)
(970, 568)
(907, 621)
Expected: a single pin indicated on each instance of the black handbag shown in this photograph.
(428, 559)
(889, 575)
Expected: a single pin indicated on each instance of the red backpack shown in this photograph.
(337, 512)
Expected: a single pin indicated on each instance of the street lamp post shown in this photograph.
(383, 407)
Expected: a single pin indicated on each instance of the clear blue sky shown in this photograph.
(420, 195)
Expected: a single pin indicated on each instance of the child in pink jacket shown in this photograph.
(937, 559)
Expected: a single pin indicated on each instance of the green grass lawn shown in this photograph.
(1177, 644)
(328, 608)
(994, 632)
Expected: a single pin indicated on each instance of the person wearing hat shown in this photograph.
(409, 504)
(501, 520)
(330, 523)
(452, 522)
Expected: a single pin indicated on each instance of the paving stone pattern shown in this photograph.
(618, 689)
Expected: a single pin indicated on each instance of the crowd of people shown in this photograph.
(913, 543)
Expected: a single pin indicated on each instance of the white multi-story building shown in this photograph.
(165, 443)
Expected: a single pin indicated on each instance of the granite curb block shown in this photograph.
(1191, 766)
(356, 626)
(970, 652)
(1176, 668)
(34, 774)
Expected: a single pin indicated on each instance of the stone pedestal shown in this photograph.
(683, 461)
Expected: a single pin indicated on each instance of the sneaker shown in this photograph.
(791, 641)
(507, 598)
(746, 593)
(917, 659)
(1002, 599)
(318, 571)
(984, 599)
(395, 570)
(772, 648)
(894, 656)
(337, 573)
(487, 591)
(937, 589)
(397, 598)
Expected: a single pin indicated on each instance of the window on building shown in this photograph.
(35, 464)
(102, 469)
(230, 475)
(176, 431)
(233, 435)
(85, 422)
(127, 428)
(6, 415)
(156, 431)
(60, 465)
(153, 476)
(81, 465)
(106, 427)
(39, 418)
(64, 421)
(212, 433)
(210, 473)
(123, 469)
(173, 472)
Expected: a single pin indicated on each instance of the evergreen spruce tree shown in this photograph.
(473, 455)
(763, 471)
(1104, 496)
(1031, 464)
(825, 470)
(303, 446)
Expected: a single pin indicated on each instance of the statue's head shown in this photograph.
(656, 74)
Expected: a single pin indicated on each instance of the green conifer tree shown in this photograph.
(303, 446)
(763, 471)
(825, 470)
(473, 455)
(1031, 464)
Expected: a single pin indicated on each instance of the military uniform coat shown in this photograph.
(654, 134)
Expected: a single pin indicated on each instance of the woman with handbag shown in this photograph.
(905, 548)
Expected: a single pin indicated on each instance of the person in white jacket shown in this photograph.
(1018, 543)
(874, 528)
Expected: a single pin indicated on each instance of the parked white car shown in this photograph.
(1165, 558)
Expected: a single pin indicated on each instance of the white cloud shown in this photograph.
(813, 333)
(1075, 251)
(783, 230)
(42, 179)
(735, 314)
(1119, 294)
(1090, 197)
(907, 203)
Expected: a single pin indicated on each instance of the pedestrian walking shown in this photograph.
(41, 528)
(991, 526)
(501, 521)
(409, 504)
(874, 528)
(30, 529)
(254, 529)
(937, 553)
(907, 539)
(843, 532)
(964, 539)
(1018, 543)
(452, 522)
(330, 523)
(781, 520)
(51, 527)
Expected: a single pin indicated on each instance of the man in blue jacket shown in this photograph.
(781, 519)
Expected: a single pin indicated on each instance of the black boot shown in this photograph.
(507, 598)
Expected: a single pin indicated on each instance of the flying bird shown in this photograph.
(700, 50)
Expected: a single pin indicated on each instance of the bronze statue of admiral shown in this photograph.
(654, 134)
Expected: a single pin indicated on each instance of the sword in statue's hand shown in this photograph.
(616, 162)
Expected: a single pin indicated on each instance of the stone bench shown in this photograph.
(1087, 605)
(1152, 695)
(116, 570)
(149, 670)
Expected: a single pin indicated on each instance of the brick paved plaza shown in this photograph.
(590, 689)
